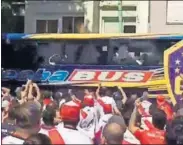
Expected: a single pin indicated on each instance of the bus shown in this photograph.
(132, 61)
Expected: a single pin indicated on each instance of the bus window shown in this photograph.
(145, 52)
(18, 55)
(26, 55)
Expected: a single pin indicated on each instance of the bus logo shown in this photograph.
(110, 76)
(173, 66)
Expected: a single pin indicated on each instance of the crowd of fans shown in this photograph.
(37, 116)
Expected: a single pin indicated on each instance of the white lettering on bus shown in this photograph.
(83, 76)
(133, 77)
(108, 76)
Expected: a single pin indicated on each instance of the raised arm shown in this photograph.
(132, 124)
(25, 92)
(30, 96)
(97, 91)
(73, 97)
(37, 91)
(123, 94)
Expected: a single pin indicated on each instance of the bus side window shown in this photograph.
(78, 53)
(103, 55)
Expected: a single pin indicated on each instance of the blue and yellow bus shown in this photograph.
(127, 60)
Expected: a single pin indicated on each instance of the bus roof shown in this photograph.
(56, 36)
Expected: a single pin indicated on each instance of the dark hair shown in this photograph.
(47, 94)
(174, 131)
(153, 107)
(105, 92)
(38, 139)
(159, 118)
(48, 115)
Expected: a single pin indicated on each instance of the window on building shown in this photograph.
(129, 19)
(52, 26)
(72, 24)
(129, 8)
(115, 8)
(46, 26)
(129, 29)
(40, 26)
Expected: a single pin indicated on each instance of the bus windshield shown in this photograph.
(29, 54)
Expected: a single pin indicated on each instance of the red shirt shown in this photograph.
(152, 136)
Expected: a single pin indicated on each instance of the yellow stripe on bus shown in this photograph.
(96, 36)
(126, 85)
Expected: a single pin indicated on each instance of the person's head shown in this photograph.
(159, 118)
(38, 139)
(116, 49)
(89, 91)
(145, 95)
(133, 97)
(174, 134)
(119, 120)
(58, 96)
(28, 117)
(112, 134)
(48, 115)
(70, 113)
(105, 92)
(47, 94)
(12, 109)
(137, 54)
(18, 91)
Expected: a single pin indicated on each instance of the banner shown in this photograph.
(173, 67)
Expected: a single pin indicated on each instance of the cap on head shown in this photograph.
(70, 111)
(160, 99)
(88, 100)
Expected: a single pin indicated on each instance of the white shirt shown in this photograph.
(71, 136)
(12, 140)
(45, 131)
(88, 125)
(129, 137)
(109, 100)
(60, 125)
(146, 105)
(99, 110)
(103, 121)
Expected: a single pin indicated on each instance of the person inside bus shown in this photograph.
(115, 57)
(40, 61)
(124, 56)
(102, 58)
(137, 58)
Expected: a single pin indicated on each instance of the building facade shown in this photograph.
(166, 17)
(45, 16)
